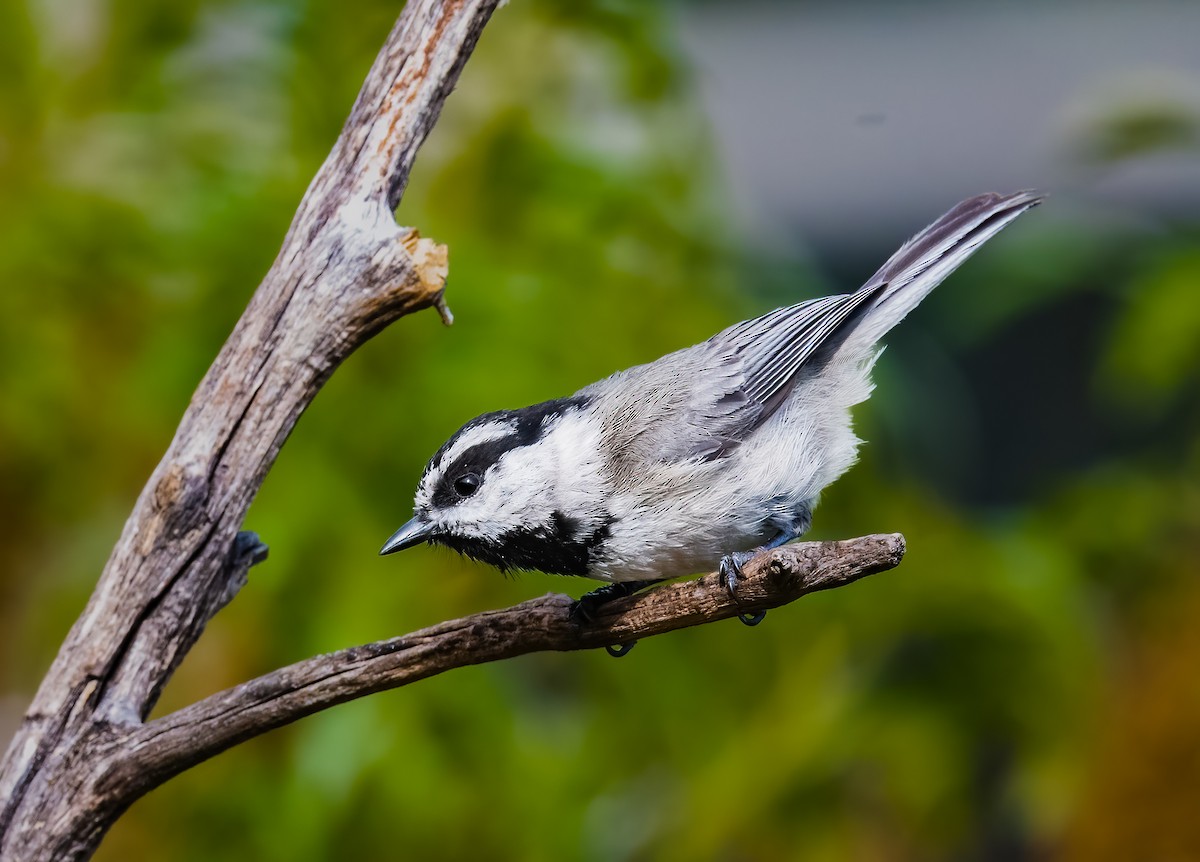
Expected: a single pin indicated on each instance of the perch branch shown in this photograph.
(170, 744)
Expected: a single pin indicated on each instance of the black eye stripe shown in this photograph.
(523, 426)
(437, 460)
(477, 461)
(479, 458)
(527, 426)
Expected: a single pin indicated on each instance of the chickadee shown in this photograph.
(694, 461)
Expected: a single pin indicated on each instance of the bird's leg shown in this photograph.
(585, 609)
(730, 569)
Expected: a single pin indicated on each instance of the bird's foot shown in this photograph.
(586, 608)
(730, 571)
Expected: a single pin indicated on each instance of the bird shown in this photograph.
(694, 461)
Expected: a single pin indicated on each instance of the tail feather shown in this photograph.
(925, 260)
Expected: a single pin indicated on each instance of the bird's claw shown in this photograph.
(584, 610)
(730, 571)
(620, 650)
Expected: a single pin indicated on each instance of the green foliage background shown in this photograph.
(1024, 686)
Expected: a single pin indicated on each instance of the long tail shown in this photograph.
(925, 260)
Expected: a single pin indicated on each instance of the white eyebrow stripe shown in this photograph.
(473, 436)
(485, 433)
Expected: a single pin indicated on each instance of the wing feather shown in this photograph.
(773, 350)
(703, 401)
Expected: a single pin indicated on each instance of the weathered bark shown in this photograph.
(346, 270)
(85, 752)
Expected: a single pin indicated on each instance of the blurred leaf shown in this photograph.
(1155, 348)
(1133, 130)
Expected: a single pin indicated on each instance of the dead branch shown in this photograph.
(346, 270)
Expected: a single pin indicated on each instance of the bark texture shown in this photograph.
(346, 270)
(85, 752)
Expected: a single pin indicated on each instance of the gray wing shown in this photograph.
(700, 403)
(771, 349)
(703, 401)
(768, 352)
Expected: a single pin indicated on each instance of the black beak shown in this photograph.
(413, 533)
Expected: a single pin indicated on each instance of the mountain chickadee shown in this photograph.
(698, 459)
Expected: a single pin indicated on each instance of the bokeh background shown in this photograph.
(616, 179)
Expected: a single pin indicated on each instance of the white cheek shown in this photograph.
(518, 491)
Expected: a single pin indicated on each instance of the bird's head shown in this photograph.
(494, 492)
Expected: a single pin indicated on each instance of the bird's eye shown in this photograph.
(466, 484)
